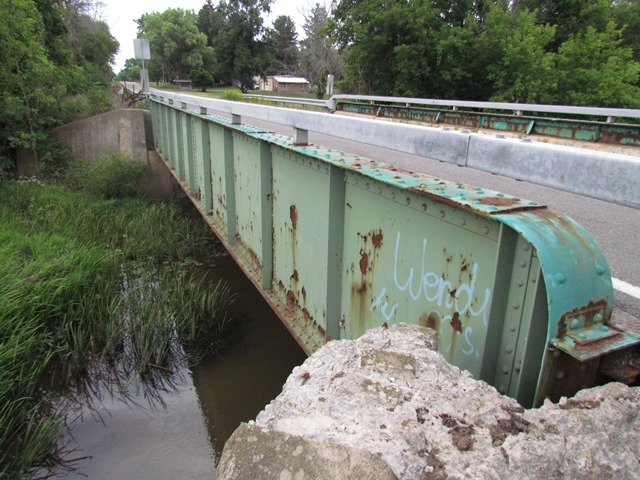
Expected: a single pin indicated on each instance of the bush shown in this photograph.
(235, 95)
(108, 177)
(201, 78)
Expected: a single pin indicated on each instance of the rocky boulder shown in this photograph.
(387, 405)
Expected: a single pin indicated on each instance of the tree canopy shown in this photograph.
(177, 45)
(554, 51)
(282, 47)
(55, 64)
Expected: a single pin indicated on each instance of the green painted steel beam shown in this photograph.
(338, 244)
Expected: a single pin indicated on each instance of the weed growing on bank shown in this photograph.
(94, 277)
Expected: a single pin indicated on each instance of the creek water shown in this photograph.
(179, 432)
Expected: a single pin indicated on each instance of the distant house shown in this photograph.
(285, 83)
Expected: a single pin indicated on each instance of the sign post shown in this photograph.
(142, 51)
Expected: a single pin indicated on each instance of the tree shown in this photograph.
(368, 33)
(422, 45)
(131, 70)
(627, 16)
(517, 63)
(282, 47)
(319, 56)
(234, 29)
(46, 77)
(594, 70)
(177, 46)
(28, 80)
(210, 21)
(570, 17)
(201, 79)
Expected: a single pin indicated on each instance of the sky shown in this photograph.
(120, 16)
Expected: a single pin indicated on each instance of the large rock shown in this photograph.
(389, 399)
(256, 454)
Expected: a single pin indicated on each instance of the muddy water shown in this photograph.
(181, 433)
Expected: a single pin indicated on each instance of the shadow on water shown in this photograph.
(179, 432)
(236, 384)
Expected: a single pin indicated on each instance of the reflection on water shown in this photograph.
(184, 437)
(235, 385)
(136, 440)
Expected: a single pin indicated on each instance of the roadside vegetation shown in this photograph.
(99, 284)
(55, 67)
(584, 52)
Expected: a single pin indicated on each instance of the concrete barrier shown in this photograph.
(597, 174)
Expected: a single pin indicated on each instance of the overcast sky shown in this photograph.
(120, 16)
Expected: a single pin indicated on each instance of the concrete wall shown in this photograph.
(124, 131)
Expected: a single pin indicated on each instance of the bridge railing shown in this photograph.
(518, 108)
(585, 124)
(594, 173)
(337, 244)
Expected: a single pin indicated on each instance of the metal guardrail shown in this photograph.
(291, 100)
(519, 296)
(598, 174)
(513, 107)
(523, 119)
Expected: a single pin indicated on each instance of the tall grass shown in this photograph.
(92, 277)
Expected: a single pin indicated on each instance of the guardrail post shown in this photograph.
(301, 137)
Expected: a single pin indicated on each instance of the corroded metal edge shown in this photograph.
(310, 339)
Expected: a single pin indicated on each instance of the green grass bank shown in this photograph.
(96, 282)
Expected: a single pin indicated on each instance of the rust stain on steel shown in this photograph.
(252, 254)
(295, 292)
(464, 269)
(292, 295)
(364, 262)
(592, 307)
(293, 215)
(601, 345)
(499, 201)
(557, 219)
(291, 298)
(456, 324)
(360, 300)
(376, 239)
(456, 329)
(431, 320)
(198, 194)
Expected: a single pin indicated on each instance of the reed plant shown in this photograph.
(92, 280)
